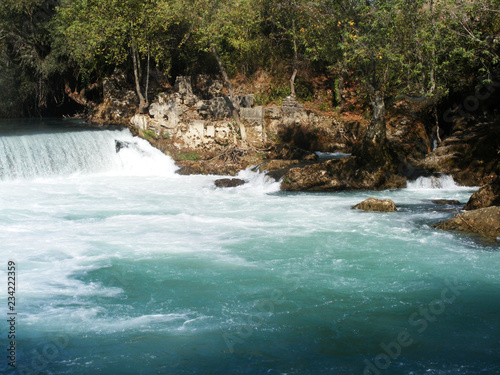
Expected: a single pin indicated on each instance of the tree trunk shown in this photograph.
(143, 101)
(235, 110)
(376, 133)
(292, 83)
(295, 62)
(340, 91)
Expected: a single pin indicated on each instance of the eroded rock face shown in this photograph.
(484, 222)
(487, 196)
(378, 205)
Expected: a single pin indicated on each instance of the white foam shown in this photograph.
(441, 181)
(258, 181)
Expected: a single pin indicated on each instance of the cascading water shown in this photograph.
(124, 267)
(440, 181)
(78, 152)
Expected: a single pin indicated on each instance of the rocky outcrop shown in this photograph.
(470, 154)
(229, 182)
(484, 222)
(201, 124)
(378, 205)
(119, 102)
(486, 196)
(338, 175)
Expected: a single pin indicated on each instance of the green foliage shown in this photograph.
(417, 48)
(149, 133)
(188, 156)
(325, 106)
(274, 95)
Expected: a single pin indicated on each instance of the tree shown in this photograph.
(226, 28)
(287, 21)
(30, 70)
(100, 32)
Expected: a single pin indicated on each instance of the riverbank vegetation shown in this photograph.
(54, 55)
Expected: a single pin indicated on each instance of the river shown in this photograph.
(124, 267)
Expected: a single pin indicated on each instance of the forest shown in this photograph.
(54, 54)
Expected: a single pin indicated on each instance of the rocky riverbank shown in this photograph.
(192, 123)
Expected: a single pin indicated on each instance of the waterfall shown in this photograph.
(53, 154)
(440, 181)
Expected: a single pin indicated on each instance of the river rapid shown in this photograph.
(124, 267)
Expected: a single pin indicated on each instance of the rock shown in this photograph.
(140, 121)
(217, 108)
(183, 85)
(290, 105)
(446, 201)
(246, 101)
(253, 115)
(121, 144)
(469, 154)
(374, 204)
(183, 88)
(273, 113)
(487, 196)
(484, 222)
(339, 175)
(203, 167)
(229, 182)
(277, 168)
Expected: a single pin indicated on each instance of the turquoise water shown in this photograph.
(124, 267)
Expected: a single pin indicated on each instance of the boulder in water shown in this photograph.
(378, 205)
(484, 222)
(121, 144)
(229, 182)
(339, 175)
(487, 196)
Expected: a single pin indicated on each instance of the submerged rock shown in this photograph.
(452, 202)
(483, 221)
(374, 204)
(229, 182)
(487, 196)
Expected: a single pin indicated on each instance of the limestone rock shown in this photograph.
(374, 204)
(183, 85)
(273, 113)
(484, 222)
(487, 196)
(140, 121)
(246, 101)
(253, 115)
(290, 105)
(229, 182)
